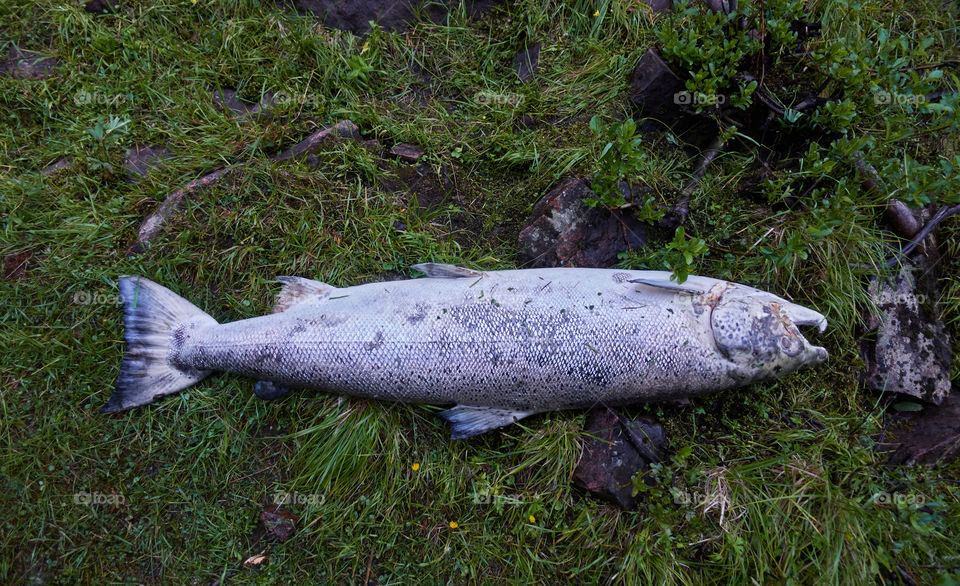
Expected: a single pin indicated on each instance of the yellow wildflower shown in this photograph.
(596, 13)
(454, 524)
(415, 467)
(532, 519)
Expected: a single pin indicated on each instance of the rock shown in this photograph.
(660, 5)
(911, 354)
(28, 65)
(16, 266)
(227, 100)
(99, 6)
(528, 122)
(59, 165)
(653, 89)
(723, 6)
(526, 62)
(407, 153)
(925, 437)
(563, 231)
(356, 15)
(614, 450)
(901, 219)
(431, 188)
(278, 521)
(342, 129)
(141, 158)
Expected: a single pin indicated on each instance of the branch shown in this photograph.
(682, 208)
(938, 217)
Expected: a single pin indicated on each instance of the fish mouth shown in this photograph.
(806, 317)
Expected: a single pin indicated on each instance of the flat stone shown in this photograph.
(228, 100)
(563, 231)
(407, 153)
(99, 6)
(28, 65)
(912, 351)
(660, 5)
(356, 15)
(722, 6)
(279, 521)
(526, 62)
(16, 266)
(925, 437)
(653, 88)
(59, 165)
(615, 449)
(142, 158)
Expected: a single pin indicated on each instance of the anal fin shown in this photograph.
(441, 271)
(297, 290)
(467, 421)
(269, 390)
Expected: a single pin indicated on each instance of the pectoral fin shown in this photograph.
(442, 271)
(670, 285)
(268, 390)
(297, 290)
(466, 421)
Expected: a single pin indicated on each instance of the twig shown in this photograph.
(938, 217)
(871, 178)
(948, 62)
(768, 101)
(155, 221)
(682, 208)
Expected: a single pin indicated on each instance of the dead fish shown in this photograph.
(498, 345)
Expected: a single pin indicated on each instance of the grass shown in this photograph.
(780, 481)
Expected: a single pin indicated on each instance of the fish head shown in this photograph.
(759, 332)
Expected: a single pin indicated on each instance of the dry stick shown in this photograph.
(872, 181)
(938, 217)
(683, 202)
(870, 176)
(155, 221)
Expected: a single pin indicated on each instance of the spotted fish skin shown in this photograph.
(499, 345)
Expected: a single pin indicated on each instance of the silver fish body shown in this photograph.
(499, 345)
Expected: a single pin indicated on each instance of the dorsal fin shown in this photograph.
(297, 290)
(441, 271)
(670, 285)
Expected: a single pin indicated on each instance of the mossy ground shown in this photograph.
(179, 485)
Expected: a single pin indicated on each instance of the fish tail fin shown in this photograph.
(151, 314)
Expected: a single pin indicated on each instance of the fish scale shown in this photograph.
(498, 345)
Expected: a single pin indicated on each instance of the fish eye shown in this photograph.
(790, 345)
